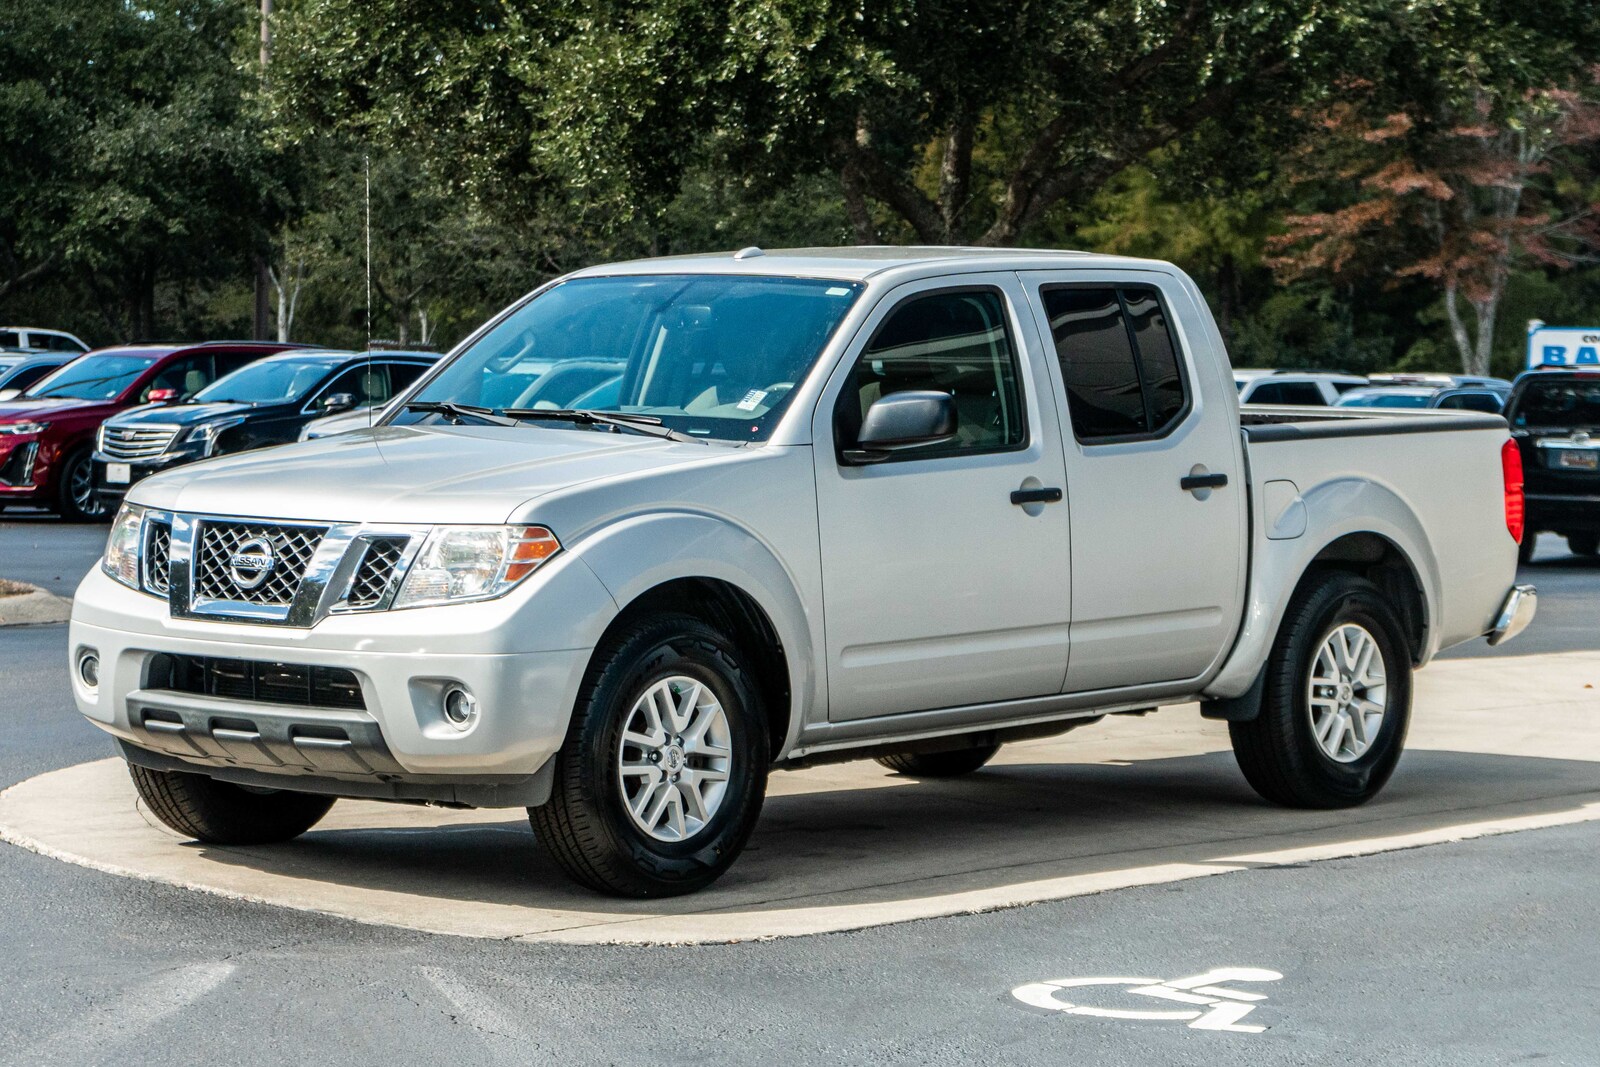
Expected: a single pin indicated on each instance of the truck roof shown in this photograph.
(860, 262)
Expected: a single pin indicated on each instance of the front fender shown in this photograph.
(635, 555)
(1334, 509)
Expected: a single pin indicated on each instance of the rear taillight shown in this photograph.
(1516, 507)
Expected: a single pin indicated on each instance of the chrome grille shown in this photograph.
(376, 570)
(136, 442)
(158, 558)
(292, 548)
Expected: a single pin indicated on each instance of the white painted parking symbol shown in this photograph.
(1215, 1007)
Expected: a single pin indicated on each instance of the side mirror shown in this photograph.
(901, 421)
(338, 402)
(162, 396)
(10, 394)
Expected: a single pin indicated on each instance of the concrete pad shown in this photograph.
(34, 607)
(1497, 745)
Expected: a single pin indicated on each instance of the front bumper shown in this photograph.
(138, 470)
(398, 744)
(1515, 614)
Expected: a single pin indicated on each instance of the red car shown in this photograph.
(47, 434)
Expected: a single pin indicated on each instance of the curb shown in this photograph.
(33, 608)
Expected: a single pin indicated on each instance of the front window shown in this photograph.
(272, 381)
(104, 377)
(715, 356)
(1558, 405)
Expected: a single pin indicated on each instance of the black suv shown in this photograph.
(264, 404)
(1553, 414)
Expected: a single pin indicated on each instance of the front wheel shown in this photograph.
(661, 777)
(76, 497)
(221, 813)
(1337, 701)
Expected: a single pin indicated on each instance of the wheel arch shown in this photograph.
(728, 577)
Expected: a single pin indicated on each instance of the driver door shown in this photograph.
(938, 589)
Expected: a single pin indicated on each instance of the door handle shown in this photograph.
(1190, 482)
(1035, 496)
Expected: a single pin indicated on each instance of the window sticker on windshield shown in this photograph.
(752, 400)
(839, 290)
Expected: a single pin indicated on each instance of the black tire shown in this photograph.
(1278, 751)
(1525, 548)
(1584, 544)
(585, 826)
(71, 503)
(939, 764)
(221, 813)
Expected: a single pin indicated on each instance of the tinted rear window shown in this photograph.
(1119, 362)
(1558, 404)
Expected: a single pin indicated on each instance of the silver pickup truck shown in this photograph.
(663, 526)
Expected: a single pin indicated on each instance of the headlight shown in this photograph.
(460, 563)
(205, 435)
(23, 427)
(122, 547)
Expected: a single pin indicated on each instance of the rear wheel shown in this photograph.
(664, 768)
(939, 764)
(221, 813)
(76, 499)
(1584, 544)
(1337, 702)
(1525, 548)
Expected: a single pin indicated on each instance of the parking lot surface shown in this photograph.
(1478, 951)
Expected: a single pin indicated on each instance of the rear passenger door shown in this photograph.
(940, 589)
(1158, 558)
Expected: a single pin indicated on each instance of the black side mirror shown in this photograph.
(900, 421)
(338, 402)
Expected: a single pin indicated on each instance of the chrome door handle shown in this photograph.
(1035, 496)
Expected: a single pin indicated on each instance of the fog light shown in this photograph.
(460, 708)
(89, 669)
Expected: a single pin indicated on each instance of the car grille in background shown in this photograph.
(18, 467)
(137, 442)
(255, 680)
(158, 558)
(292, 550)
(376, 570)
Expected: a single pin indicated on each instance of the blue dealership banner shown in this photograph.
(1564, 346)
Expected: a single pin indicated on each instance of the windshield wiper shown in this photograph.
(622, 420)
(460, 411)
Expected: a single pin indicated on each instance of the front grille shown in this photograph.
(217, 577)
(137, 442)
(375, 571)
(257, 681)
(18, 467)
(158, 558)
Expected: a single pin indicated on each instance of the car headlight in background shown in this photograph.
(462, 563)
(20, 428)
(205, 435)
(122, 547)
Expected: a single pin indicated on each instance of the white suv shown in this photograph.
(1301, 390)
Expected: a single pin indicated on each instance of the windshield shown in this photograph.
(103, 377)
(271, 381)
(1559, 405)
(711, 355)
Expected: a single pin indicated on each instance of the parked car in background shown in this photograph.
(1488, 399)
(362, 417)
(263, 404)
(1308, 389)
(19, 370)
(1484, 398)
(47, 435)
(1555, 420)
(34, 339)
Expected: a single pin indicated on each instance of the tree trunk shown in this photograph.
(855, 205)
(1458, 326)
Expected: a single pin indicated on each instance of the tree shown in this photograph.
(1458, 198)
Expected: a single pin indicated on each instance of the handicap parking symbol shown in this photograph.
(1210, 1003)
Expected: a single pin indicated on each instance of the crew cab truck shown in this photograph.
(664, 526)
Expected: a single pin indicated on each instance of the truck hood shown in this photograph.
(411, 474)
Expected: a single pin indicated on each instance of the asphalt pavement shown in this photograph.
(1478, 952)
